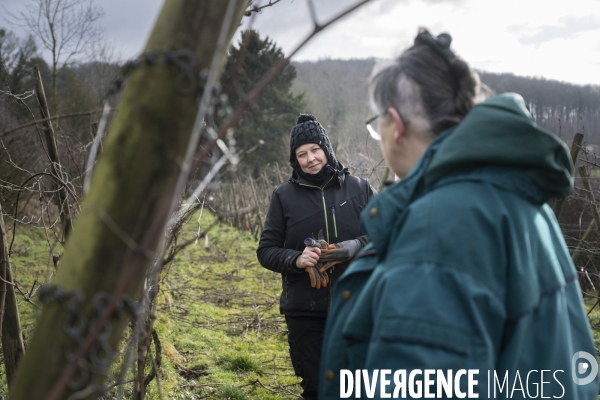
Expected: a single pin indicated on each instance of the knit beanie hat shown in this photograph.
(309, 130)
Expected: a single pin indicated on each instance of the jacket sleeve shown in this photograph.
(271, 252)
(364, 239)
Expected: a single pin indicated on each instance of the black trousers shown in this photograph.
(305, 336)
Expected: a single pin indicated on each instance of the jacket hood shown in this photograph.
(500, 131)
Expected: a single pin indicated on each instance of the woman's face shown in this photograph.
(386, 127)
(402, 146)
(311, 158)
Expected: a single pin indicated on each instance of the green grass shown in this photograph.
(31, 263)
(217, 317)
(240, 362)
(229, 392)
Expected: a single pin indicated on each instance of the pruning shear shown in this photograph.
(318, 276)
(324, 246)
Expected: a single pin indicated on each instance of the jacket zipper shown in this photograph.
(325, 212)
(324, 206)
(334, 223)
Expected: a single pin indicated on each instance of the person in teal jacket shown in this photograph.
(467, 289)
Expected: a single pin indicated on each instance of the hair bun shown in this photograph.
(304, 118)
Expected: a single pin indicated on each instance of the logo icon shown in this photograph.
(582, 367)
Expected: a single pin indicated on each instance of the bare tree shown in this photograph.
(64, 27)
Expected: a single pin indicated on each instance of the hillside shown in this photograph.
(335, 90)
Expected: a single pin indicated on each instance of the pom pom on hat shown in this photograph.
(305, 117)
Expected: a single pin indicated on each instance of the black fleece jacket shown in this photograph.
(298, 210)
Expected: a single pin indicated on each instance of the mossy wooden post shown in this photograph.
(12, 336)
(55, 166)
(127, 207)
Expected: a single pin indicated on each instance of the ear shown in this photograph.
(399, 131)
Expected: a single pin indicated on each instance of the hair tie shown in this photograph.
(440, 44)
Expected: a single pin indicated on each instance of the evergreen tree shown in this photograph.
(276, 110)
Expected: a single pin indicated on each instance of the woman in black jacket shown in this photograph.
(321, 195)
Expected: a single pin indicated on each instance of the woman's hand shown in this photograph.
(308, 258)
(308, 261)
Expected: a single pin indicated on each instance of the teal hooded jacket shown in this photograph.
(467, 280)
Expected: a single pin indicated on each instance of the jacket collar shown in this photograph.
(339, 177)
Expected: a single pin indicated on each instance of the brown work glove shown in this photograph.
(318, 279)
(309, 261)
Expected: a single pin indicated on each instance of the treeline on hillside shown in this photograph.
(560, 107)
(336, 91)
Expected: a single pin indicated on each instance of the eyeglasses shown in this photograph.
(373, 132)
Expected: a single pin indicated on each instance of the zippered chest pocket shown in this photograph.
(345, 216)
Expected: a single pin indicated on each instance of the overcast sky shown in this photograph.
(555, 39)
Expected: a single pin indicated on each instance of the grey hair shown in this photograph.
(432, 93)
